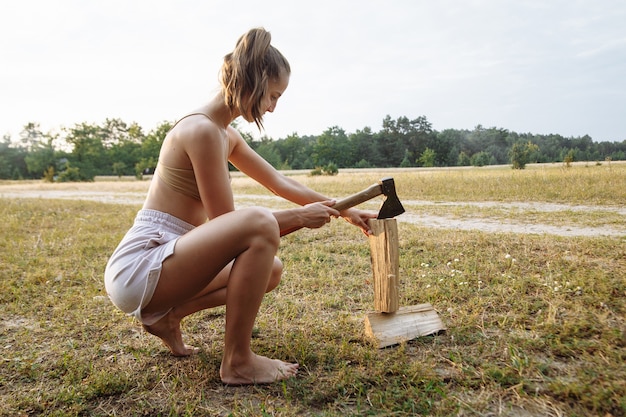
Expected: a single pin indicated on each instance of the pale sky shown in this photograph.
(538, 66)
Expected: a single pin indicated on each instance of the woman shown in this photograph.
(173, 262)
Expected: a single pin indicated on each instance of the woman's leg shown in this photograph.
(250, 237)
(214, 295)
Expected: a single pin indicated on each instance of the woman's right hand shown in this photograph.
(317, 214)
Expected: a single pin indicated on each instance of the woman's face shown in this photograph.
(275, 89)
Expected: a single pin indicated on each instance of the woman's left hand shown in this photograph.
(359, 218)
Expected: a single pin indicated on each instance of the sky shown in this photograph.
(529, 66)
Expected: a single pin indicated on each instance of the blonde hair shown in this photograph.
(247, 70)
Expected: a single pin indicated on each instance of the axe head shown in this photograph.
(391, 206)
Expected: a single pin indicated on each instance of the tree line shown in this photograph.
(81, 152)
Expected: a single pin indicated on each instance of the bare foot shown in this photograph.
(168, 330)
(257, 370)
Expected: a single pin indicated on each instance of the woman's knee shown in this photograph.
(262, 223)
(277, 273)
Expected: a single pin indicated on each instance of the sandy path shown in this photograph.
(136, 196)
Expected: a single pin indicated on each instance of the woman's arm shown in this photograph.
(207, 147)
(257, 168)
(253, 165)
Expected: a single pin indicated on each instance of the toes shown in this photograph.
(188, 351)
(287, 370)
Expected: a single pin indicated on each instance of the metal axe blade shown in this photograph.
(391, 206)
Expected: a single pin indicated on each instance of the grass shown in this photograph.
(536, 323)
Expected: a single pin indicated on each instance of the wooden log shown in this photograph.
(385, 263)
(406, 324)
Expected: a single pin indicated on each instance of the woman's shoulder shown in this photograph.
(233, 134)
(197, 129)
(198, 124)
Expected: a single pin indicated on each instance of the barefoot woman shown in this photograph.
(173, 262)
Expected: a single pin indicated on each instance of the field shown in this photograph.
(535, 308)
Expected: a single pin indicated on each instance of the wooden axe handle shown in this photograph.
(362, 196)
(370, 192)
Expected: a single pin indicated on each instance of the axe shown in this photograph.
(390, 207)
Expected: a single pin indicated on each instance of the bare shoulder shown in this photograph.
(235, 140)
(193, 135)
(200, 129)
(233, 135)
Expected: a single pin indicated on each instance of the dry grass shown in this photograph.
(536, 323)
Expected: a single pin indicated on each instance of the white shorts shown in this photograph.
(133, 271)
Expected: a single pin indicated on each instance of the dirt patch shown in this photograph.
(509, 226)
(485, 225)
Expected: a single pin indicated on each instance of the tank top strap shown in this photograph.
(187, 115)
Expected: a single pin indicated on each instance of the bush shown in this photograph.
(330, 169)
(316, 171)
(71, 174)
(48, 175)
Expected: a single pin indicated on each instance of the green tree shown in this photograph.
(294, 151)
(30, 136)
(150, 148)
(124, 156)
(119, 168)
(407, 161)
(480, 159)
(403, 134)
(41, 159)
(427, 158)
(145, 166)
(122, 145)
(114, 131)
(12, 165)
(88, 153)
(332, 146)
(151, 143)
(40, 156)
(363, 164)
(569, 157)
(463, 159)
(5, 158)
(446, 146)
(268, 151)
(364, 148)
(520, 154)
(492, 140)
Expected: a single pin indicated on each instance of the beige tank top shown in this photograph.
(180, 179)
